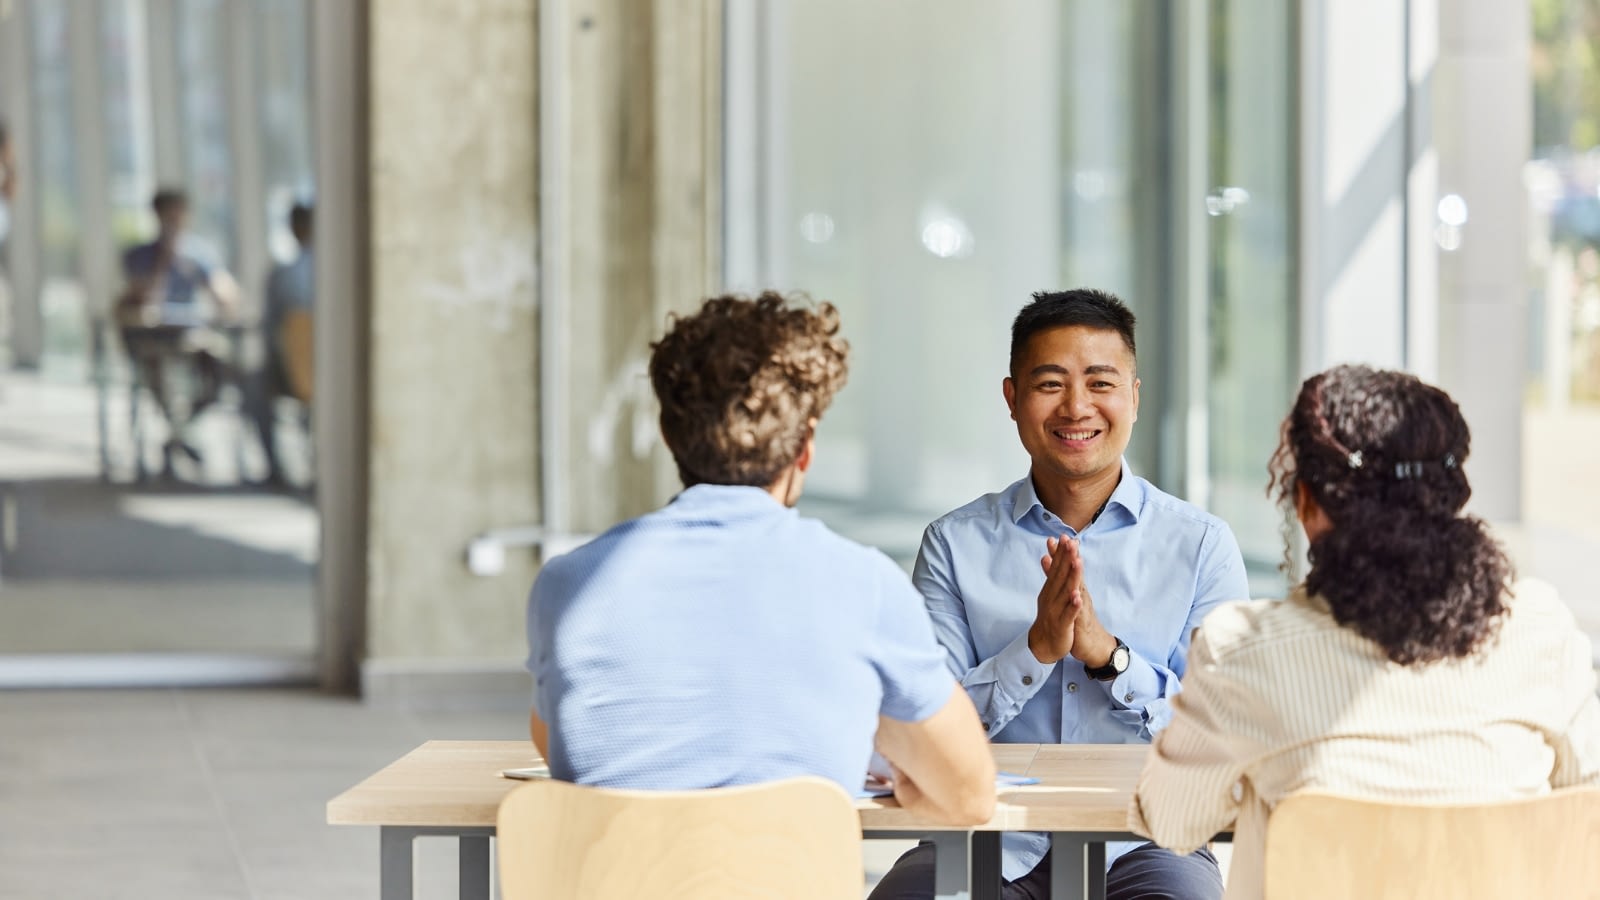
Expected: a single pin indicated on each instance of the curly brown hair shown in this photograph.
(740, 382)
(1381, 452)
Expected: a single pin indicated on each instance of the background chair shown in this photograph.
(798, 838)
(1321, 846)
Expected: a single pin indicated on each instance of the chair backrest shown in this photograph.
(1322, 846)
(295, 340)
(797, 838)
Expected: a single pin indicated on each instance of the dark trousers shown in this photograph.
(269, 384)
(1146, 872)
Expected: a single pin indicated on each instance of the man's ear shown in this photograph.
(808, 450)
(1009, 388)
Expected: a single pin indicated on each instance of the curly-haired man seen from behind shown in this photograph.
(723, 639)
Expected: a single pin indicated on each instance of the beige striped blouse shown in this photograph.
(1279, 698)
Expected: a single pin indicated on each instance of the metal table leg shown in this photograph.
(1095, 877)
(1078, 865)
(474, 867)
(394, 878)
(952, 869)
(952, 879)
(985, 856)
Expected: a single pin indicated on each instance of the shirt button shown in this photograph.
(1128, 698)
(1072, 687)
(1027, 679)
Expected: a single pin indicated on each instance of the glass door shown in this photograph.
(927, 172)
(1250, 291)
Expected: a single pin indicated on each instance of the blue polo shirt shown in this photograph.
(725, 640)
(1154, 565)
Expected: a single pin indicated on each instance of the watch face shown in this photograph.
(1119, 659)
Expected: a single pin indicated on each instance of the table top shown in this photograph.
(1083, 787)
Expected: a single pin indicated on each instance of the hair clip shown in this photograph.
(1406, 470)
(1355, 459)
(1449, 460)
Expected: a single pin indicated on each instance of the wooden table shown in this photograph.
(455, 788)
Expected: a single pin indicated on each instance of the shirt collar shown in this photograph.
(1129, 495)
(725, 497)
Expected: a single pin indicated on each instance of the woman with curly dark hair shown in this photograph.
(1407, 667)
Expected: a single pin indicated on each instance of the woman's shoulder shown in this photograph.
(1533, 604)
(1247, 624)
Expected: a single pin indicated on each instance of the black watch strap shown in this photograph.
(1116, 665)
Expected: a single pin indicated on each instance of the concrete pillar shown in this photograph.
(1482, 125)
(453, 446)
(640, 164)
(469, 429)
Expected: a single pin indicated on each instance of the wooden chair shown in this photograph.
(1322, 846)
(295, 339)
(798, 838)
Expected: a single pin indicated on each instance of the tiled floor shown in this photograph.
(211, 794)
(214, 794)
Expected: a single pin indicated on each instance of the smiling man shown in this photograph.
(1065, 602)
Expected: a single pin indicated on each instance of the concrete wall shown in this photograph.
(453, 325)
(638, 228)
(506, 367)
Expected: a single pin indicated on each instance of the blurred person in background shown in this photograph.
(1407, 667)
(169, 305)
(286, 340)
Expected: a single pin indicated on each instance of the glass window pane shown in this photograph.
(203, 105)
(285, 126)
(55, 156)
(1251, 318)
(1116, 191)
(928, 173)
(131, 166)
(914, 181)
(1559, 535)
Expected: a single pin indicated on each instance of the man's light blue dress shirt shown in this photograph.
(1154, 566)
(725, 640)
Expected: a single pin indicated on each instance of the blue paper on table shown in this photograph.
(875, 787)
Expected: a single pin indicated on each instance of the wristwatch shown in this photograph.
(1113, 667)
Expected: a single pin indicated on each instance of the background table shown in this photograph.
(455, 788)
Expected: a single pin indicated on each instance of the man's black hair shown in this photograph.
(1080, 306)
(168, 196)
